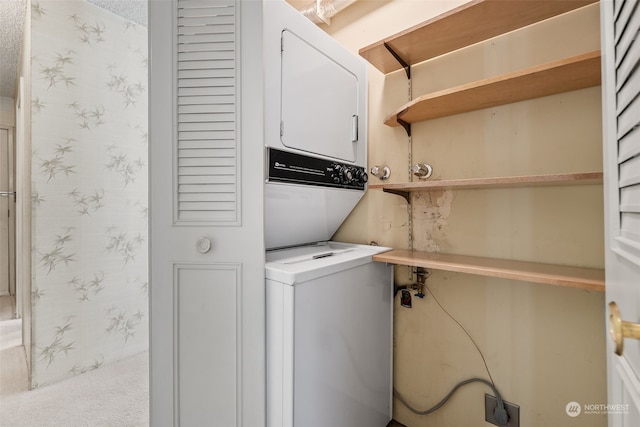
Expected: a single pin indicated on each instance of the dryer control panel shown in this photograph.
(293, 168)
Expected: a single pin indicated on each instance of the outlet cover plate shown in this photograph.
(513, 410)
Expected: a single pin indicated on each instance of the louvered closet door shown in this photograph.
(207, 250)
(206, 116)
(621, 107)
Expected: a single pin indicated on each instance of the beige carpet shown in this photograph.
(7, 307)
(112, 396)
(10, 333)
(116, 395)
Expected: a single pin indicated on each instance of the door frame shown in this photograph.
(622, 256)
(23, 202)
(11, 249)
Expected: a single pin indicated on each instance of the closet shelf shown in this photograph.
(568, 74)
(550, 274)
(582, 178)
(468, 24)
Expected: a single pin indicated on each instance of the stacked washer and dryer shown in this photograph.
(329, 305)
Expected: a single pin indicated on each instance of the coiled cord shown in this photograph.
(500, 413)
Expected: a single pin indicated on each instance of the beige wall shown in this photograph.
(543, 344)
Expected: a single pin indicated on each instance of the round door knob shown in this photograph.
(203, 245)
(619, 329)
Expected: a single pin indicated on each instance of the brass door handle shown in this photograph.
(619, 329)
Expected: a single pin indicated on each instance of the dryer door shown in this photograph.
(319, 111)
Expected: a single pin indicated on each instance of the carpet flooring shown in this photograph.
(114, 395)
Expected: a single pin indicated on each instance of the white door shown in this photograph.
(207, 362)
(621, 107)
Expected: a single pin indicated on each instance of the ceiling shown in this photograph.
(11, 23)
(12, 13)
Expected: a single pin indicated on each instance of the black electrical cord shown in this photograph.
(500, 413)
(465, 331)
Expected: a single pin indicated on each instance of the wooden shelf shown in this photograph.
(468, 24)
(404, 188)
(575, 277)
(577, 72)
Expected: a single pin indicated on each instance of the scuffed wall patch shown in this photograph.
(430, 212)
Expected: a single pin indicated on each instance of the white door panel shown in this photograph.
(624, 389)
(621, 118)
(206, 245)
(206, 295)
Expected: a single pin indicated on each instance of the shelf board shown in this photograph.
(550, 274)
(577, 72)
(468, 24)
(582, 178)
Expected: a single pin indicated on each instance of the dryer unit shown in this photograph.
(315, 129)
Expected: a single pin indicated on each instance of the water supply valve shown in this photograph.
(422, 274)
(422, 170)
(382, 173)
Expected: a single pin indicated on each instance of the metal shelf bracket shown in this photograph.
(404, 194)
(405, 125)
(407, 67)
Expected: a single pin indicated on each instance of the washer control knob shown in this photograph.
(361, 176)
(336, 173)
(348, 175)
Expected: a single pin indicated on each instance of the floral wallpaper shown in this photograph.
(89, 177)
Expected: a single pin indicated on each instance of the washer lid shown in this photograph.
(303, 263)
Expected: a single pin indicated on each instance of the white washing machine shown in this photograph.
(329, 306)
(329, 337)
